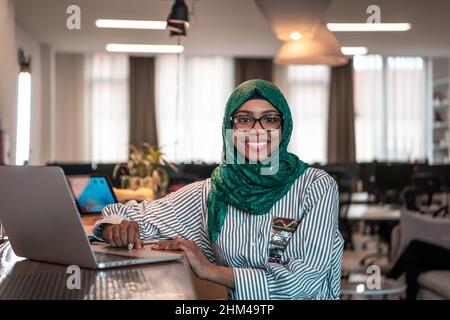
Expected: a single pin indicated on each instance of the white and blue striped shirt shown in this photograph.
(310, 265)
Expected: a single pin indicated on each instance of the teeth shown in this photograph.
(256, 145)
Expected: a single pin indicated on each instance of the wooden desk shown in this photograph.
(25, 279)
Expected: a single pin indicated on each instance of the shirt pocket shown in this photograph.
(282, 231)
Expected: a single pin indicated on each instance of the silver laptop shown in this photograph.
(42, 222)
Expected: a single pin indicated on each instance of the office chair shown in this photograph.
(424, 184)
(389, 180)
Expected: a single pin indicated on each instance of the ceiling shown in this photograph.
(234, 27)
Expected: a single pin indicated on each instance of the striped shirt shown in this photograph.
(310, 266)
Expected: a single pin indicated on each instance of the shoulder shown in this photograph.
(196, 188)
(315, 184)
(314, 178)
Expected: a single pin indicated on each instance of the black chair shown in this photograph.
(425, 185)
(386, 181)
(366, 174)
(389, 181)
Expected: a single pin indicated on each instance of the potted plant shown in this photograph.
(145, 168)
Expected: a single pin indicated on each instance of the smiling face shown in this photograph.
(259, 142)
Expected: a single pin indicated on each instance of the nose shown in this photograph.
(257, 125)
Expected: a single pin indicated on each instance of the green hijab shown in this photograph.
(241, 184)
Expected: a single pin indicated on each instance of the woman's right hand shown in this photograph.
(125, 234)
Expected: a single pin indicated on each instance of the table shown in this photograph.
(168, 280)
(26, 279)
(357, 285)
(372, 212)
(361, 198)
(385, 217)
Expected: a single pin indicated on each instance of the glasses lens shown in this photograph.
(271, 122)
(243, 122)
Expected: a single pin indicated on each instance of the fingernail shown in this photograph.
(130, 246)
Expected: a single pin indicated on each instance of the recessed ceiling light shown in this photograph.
(144, 48)
(131, 24)
(351, 51)
(351, 27)
(295, 35)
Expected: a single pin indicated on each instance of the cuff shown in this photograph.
(112, 219)
(98, 226)
(250, 284)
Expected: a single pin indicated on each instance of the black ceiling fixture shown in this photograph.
(24, 61)
(178, 19)
(179, 13)
(176, 29)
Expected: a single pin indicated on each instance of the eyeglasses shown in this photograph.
(267, 122)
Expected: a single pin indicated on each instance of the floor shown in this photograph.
(365, 245)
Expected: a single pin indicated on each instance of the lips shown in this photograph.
(256, 145)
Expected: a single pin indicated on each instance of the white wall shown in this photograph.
(12, 37)
(8, 74)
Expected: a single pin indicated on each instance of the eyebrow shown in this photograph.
(264, 112)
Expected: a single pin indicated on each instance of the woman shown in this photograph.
(265, 225)
(419, 257)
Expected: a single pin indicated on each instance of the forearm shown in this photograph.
(221, 275)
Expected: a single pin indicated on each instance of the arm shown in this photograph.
(310, 249)
(177, 214)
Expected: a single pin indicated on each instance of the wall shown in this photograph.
(8, 75)
(13, 36)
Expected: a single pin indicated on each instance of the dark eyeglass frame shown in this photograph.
(258, 120)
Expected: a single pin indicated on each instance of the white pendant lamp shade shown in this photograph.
(320, 48)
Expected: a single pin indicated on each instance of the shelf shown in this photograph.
(440, 108)
(440, 148)
(440, 126)
(440, 116)
(440, 82)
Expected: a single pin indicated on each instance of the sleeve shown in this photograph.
(180, 213)
(310, 251)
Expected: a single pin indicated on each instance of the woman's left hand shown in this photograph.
(199, 263)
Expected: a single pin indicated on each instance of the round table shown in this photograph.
(360, 285)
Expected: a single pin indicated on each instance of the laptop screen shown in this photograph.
(92, 193)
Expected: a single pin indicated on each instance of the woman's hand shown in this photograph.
(125, 234)
(201, 266)
(199, 263)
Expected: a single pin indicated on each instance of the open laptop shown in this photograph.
(42, 222)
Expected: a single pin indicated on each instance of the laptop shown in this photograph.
(91, 193)
(42, 222)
